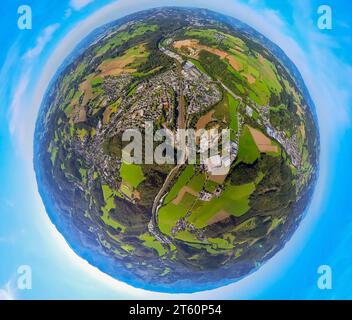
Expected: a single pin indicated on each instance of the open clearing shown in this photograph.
(169, 215)
(86, 88)
(126, 63)
(234, 200)
(150, 242)
(248, 151)
(132, 174)
(260, 74)
(116, 67)
(181, 182)
(204, 120)
(220, 216)
(109, 198)
(263, 143)
(219, 179)
(233, 105)
(181, 194)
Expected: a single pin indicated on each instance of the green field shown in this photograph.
(150, 242)
(234, 200)
(220, 244)
(83, 173)
(53, 150)
(126, 190)
(210, 36)
(181, 182)
(169, 215)
(96, 81)
(222, 110)
(210, 186)
(188, 200)
(198, 65)
(109, 198)
(233, 105)
(248, 151)
(207, 34)
(125, 36)
(132, 174)
(197, 182)
(186, 236)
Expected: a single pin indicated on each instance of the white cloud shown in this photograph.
(7, 72)
(42, 40)
(79, 4)
(7, 292)
(274, 17)
(17, 111)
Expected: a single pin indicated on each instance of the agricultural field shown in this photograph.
(132, 174)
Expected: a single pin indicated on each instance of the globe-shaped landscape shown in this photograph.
(178, 227)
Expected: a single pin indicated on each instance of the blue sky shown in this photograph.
(28, 60)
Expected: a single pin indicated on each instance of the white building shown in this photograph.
(249, 111)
